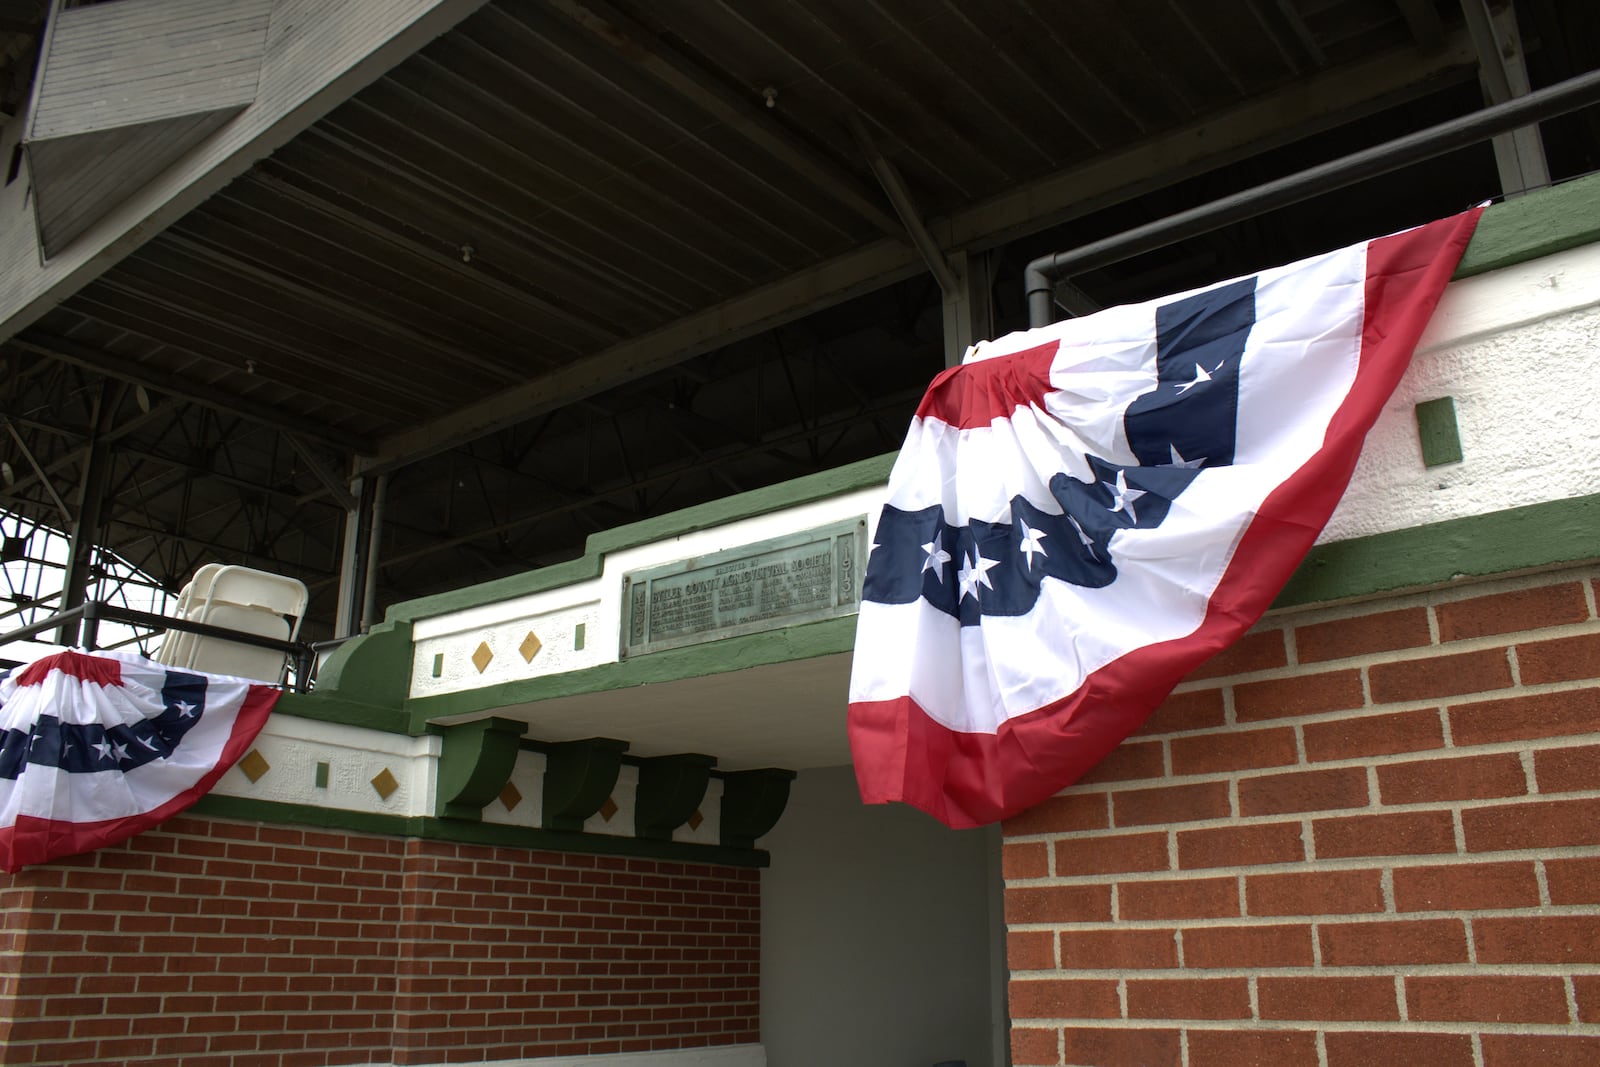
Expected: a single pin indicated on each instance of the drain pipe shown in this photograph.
(1558, 99)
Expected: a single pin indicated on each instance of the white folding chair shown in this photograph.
(243, 599)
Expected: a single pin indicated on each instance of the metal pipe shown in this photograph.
(369, 595)
(1546, 103)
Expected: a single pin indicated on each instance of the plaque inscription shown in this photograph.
(797, 578)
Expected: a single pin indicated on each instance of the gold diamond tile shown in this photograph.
(530, 647)
(481, 658)
(385, 783)
(254, 765)
(608, 809)
(511, 796)
(696, 819)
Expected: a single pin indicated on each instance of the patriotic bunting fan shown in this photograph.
(1083, 513)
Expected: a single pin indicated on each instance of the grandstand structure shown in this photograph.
(477, 315)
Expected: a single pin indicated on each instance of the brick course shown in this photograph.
(240, 945)
(1390, 854)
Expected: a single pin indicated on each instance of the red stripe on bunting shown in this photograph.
(94, 669)
(990, 389)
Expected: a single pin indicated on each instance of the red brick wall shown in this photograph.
(231, 944)
(1367, 835)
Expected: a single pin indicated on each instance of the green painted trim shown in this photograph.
(1538, 224)
(814, 639)
(764, 501)
(364, 683)
(1438, 432)
(475, 833)
(325, 706)
(1525, 538)
(475, 763)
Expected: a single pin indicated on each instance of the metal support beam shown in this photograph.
(39, 472)
(161, 412)
(1427, 29)
(894, 187)
(352, 579)
(969, 309)
(1519, 154)
(69, 351)
(369, 569)
(1075, 301)
(86, 530)
(1390, 156)
(323, 473)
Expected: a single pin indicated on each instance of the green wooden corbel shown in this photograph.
(578, 777)
(475, 764)
(670, 789)
(752, 803)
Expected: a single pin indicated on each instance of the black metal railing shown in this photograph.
(86, 619)
(1040, 276)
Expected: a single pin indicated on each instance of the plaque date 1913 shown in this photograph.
(776, 583)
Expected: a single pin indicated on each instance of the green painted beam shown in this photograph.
(1539, 224)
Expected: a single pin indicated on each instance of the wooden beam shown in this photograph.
(650, 54)
(1302, 110)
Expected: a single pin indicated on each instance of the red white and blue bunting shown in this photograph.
(1084, 513)
(97, 747)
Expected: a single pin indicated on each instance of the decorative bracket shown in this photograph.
(475, 764)
(578, 777)
(752, 803)
(670, 789)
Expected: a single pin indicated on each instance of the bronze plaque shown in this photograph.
(797, 578)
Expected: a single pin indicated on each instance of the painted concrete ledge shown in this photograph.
(1533, 537)
(728, 1056)
(459, 831)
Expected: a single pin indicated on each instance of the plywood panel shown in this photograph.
(78, 179)
(140, 61)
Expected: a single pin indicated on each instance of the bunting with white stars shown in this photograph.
(96, 747)
(1085, 512)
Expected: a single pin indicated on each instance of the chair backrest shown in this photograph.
(236, 598)
(245, 587)
(176, 646)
